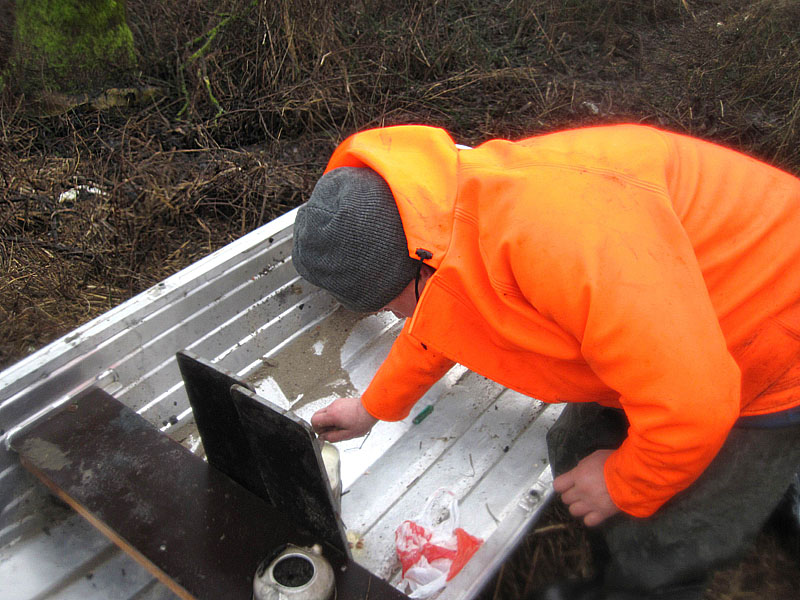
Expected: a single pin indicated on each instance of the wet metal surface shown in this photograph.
(246, 310)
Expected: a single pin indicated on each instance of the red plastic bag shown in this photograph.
(432, 549)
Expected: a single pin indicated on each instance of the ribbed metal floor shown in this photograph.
(246, 309)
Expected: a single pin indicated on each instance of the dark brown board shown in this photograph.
(199, 532)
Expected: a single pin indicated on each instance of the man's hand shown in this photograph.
(584, 491)
(342, 419)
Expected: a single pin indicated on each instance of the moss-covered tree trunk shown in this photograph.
(71, 45)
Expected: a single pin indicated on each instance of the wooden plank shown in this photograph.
(195, 529)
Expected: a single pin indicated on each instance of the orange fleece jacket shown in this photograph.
(623, 265)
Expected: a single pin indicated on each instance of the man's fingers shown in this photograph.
(579, 509)
(583, 489)
(321, 426)
(570, 496)
(563, 482)
(593, 519)
(339, 434)
(336, 435)
(343, 419)
(318, 419)
(322, 420)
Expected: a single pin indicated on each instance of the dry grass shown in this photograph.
(255, 95)
(558, 548)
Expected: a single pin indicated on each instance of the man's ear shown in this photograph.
(426, 272)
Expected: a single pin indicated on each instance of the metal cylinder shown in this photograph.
(330, 458)
(295, 574)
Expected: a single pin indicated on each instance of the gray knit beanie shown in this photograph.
(349, 240)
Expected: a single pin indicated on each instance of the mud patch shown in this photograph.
(44, 454)
(310, 367)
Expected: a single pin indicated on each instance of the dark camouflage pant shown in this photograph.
(707, 525)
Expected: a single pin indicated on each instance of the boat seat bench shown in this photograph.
(197, 530)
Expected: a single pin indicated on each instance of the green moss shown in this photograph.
(69, 43)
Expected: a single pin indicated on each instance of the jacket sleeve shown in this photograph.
(408, 372)
(615, 268)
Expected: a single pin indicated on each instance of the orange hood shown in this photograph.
(420, 164)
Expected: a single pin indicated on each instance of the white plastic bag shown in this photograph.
(432, 548)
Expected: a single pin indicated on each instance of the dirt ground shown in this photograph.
(236, 104)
